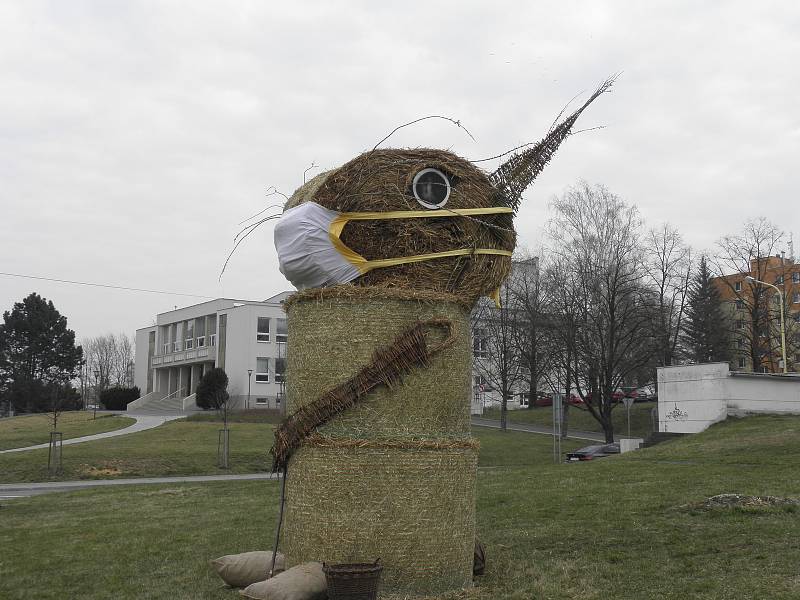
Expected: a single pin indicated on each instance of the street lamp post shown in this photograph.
(96, 393)
(249, 379)
(783, 326)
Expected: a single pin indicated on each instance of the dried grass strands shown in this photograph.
(380, 181)
(316, 440)
(388, 365)
(334, 331)
(413, 508)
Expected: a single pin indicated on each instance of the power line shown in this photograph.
(104, 285)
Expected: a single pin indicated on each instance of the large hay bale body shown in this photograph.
(334, 332)
(393, 477)
(412, 508)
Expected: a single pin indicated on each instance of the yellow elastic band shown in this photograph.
(424, 214)
(364, 266)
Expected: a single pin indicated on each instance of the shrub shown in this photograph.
(212, 389)
(117, 398)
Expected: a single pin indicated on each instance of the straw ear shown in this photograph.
(514, 176)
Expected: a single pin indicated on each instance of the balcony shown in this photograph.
(182, 356)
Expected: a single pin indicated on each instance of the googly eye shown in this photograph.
(431, 188)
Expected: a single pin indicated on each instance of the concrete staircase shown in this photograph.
(174, 404)
(658, 437)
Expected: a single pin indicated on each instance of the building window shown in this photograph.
(189, 335)
(262, 333)
(796, 298)
(740, 324)
(480, 344)
(796, 277)
(740, 305)
(262, 370)
(176, 346)
(281, 332)
(261, 401)
(280, 370)
(741, 363)
(278, 400)
(201, 341)
(740, 343)
(167, 347)
(212, 339)
(737, 286)
(796, 317)
(779, 280)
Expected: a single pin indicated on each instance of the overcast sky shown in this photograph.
(134, 136)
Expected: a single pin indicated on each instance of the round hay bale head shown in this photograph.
(334, 332)
(414, 508)
(382, 180)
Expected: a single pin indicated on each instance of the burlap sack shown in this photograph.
(303, 582)
(240, 570)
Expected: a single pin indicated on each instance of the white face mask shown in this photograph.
(306, 254)
(311, 253)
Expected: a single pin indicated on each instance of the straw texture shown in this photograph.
(381, 180)
(410, 349)
(335, 333)
(393, 475)
(413, 509)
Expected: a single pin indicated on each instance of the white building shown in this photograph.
(691, 398)
(246, 338)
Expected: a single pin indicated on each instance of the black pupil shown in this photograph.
(431, 188)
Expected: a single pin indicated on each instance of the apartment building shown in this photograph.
(757, 344)
(246, 338)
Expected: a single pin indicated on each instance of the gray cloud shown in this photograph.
(136, 135)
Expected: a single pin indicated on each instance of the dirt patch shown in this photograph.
(723, 501)
(104, 470)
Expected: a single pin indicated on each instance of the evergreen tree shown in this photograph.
(212, 389)
(706, 335)
(37, 354)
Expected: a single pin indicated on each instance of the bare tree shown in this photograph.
(109, 361)
(755, 321)
(668, 266)
(495, 344)
(599, 240)
(566, 316)
(532, 311)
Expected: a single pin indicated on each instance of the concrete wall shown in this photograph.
(243, 349)
(693, 397)
(141, 362)
(758, 393)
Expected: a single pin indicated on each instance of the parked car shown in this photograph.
(593, 452)
(543, 400)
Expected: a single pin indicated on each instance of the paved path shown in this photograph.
(143, 422)
(575, 435)
(20, 490)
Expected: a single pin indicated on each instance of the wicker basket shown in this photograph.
(356, 581)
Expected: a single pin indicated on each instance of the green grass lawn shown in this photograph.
(624, 527)
(29, 430)
(582, 420)
(174, 448)
(189, 447)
